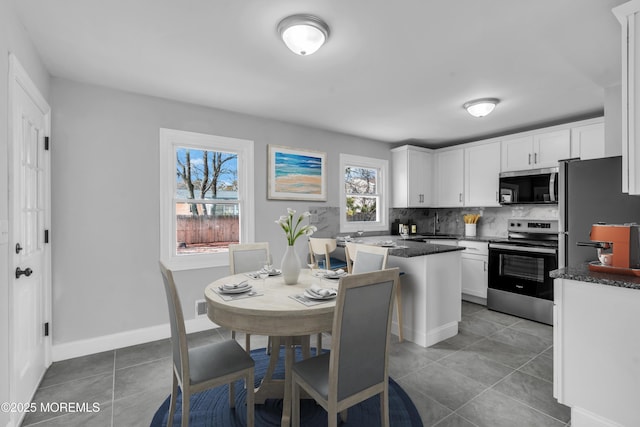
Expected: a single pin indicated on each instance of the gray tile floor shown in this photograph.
(496, 372)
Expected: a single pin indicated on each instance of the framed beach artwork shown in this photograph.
(296, 174)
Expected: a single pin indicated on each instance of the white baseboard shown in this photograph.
(431, 337)
(124, 339)
(583, 418)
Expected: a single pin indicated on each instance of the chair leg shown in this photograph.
(185, 406)
(319, 344)
(384, 407)
(332, 415)
(399, 310)
(172, 402)
(250, 398)
(247, 343)
(295, 404)
(343, 415)
(232, 394)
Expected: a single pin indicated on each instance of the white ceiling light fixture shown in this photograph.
(481, 107)
(303, 34)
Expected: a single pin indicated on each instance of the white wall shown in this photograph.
(105, 225)
(12, 39)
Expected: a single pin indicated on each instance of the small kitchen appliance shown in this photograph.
(618, 248)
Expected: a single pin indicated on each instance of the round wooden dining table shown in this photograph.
(275, 313)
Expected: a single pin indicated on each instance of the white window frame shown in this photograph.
(170, 140)
(382, 185)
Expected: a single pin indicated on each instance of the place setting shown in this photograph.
(233, 291)
(315, 294)
(330, 274)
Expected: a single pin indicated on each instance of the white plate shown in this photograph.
(235, 291)
(313, 295)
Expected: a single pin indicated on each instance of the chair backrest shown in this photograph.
(322, 246)
(246, 257)
(350, 250)
(361, 331)
(176, 319)
(369, 258)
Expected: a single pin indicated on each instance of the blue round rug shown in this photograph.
(210, 408)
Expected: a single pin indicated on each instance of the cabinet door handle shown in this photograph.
(484, 265)
(529, 158)
(535, 158)
(460, 197)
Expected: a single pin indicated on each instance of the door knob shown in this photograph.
(27, 272)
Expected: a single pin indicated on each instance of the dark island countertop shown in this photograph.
(582, 273)
(405, 248)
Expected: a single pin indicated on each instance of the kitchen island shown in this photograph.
(596, 346)
(430, 288)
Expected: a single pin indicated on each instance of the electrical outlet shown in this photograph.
(201, 307)
(313, 218)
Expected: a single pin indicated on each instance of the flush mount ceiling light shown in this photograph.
(481, 107)
(303, 34)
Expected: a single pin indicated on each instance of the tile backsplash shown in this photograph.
(493, 221)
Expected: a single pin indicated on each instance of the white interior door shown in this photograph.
(29, 186)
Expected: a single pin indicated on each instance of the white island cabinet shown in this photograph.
(596, 351)
(430, 289)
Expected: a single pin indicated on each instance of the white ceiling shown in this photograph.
(392, 70)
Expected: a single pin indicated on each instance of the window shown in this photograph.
(206, 197)
(363, 198)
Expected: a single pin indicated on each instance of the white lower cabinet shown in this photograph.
(475, 279)
(596, 353)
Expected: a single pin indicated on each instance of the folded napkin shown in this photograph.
(240, 285)
(322, 291)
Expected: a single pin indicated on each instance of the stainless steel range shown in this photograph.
(519, 266)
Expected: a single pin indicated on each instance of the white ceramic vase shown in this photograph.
(290, 266)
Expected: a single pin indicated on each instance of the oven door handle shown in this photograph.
(523, 248)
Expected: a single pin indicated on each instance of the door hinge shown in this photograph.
(46, 329)
(46, 236)
(46, 143)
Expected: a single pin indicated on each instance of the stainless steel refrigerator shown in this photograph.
(590, 191)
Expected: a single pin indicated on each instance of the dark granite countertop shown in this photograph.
(405, 248)
(583, 274)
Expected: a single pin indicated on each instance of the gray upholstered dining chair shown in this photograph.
(369, 258)
(199, 368)
(245, 258)
(357, 366)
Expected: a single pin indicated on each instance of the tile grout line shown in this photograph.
(529, 406)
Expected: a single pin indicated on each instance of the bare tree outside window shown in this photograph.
(206, 200)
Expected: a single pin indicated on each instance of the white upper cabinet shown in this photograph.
(449, 178)
(588, 142)
(517, 153)
(629, 16)
(412, 172)
(535, 151)
(481, 167)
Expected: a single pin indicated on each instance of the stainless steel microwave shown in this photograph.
(529, 187)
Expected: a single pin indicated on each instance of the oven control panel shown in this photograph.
(525, 225)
